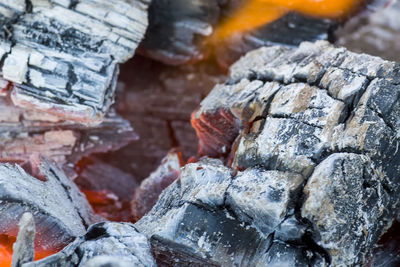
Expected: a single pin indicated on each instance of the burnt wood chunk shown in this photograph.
(104, 244)
(146, 195)
(180, 31)
(62, 55)
(313, 175)
(158, 101)
(375, 33)
(60, 210)
(178, 28)
(23, 132)
(108, 189)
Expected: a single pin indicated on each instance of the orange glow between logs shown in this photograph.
(6, 243)
(255, 13)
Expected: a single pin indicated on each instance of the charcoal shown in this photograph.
(181, 31)
(23, 248)
(60, 210)
(376, 33)
(104, 244)
(205, 218)
(146, 195)
(312, 175)
(158, 101)
(387, 252)
(108, 189)
(289, 30)
(175, 27)
(62, 56)
(23, 132)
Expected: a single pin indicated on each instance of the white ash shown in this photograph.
(62, 56)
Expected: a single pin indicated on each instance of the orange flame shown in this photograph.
(255, 13)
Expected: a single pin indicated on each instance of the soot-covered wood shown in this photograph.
(313, 172)
(62, 56)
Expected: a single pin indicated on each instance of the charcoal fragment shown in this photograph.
(146, 195)
(60, 211)
(62, 56)
(118, 244)
(376, 33)
(314, 164)
(180, 31)
(23, 132)
(158, 101)
(175, 26)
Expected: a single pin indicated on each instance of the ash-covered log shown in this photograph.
(23, 132)
(376, 33)
(60, 210)
(104, 244)
(314, 169)
(62, 56)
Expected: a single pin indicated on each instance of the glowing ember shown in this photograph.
(6, 250)
(255, 13)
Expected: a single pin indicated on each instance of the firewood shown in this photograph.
(23, 132)
(117, 244)
(62, 56)
(60, 210)
(314, 169)
(180, 30)
(375, 33)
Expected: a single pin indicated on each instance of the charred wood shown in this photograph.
(158, 102)
(314, 171)
(375, 33)
(108, 189)
(23, 132)
(62, 56)
(112, 244)
(180, 30)
(146, 195)
(23, 248)
(59, 209)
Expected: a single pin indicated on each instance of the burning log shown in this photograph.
(175, 26)
(313, 179)
(62, 56)
(23, 132)
(186, 31)
(117, 243)
(60, 210)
